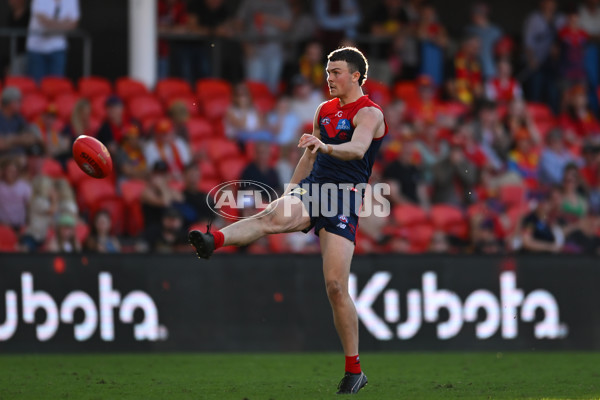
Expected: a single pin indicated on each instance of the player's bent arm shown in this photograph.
(367, 122)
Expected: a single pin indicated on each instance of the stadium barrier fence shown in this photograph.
(74, 303)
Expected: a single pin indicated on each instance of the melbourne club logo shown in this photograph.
(241, 199)
(325, 121)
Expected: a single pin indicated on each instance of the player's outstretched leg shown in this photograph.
(286, 214)
(337, 257)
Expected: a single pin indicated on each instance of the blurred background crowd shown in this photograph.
(493, 145)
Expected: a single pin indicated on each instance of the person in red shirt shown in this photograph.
(578, 121)
(468, 83)
(172, 17)
(504, 88)
(573, 41)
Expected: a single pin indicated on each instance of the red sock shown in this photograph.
(353, 364)
(219, 239)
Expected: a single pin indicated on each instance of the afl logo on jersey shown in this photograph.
(325, 121)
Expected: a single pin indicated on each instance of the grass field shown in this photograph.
(300, 376)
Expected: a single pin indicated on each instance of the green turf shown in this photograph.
(300, 376)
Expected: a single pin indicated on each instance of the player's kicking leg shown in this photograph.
(337, 256)
(286, 214)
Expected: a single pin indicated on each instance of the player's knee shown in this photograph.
(335, 290)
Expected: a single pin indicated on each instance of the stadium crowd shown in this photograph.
(479, 159)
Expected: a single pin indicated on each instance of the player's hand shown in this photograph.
(311, 142)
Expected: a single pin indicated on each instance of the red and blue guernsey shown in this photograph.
(336, 126)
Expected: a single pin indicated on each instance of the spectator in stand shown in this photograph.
(214, 18)
(304, 26)
(130, 161)
(584, 238)
(589, 20)
(264, 22)
(488, 35)
(15, 194)
(433, 41)
(260, 169)
(167, 147)
(541, 54)
(100, 239)
(555, 157)
(540, 231)
(18, 18)
(311, 66)
(590, 171)
(427, 108)
(474, 152)
(386, 20)
(65, 238)
(158, 195)
(180, 115)
(524, 158)
(503, 88)
(284, 123)
(337, 20)
(172, 18)
(405, 178)
(15, 135)
(288, 159)
(169, 236)
(41, 213)
(56, 144)
(46, 41)
(468, 81)
(573, 41)
(65, 197)
(305, 99)
(495, 140)
(578, 122)
(111, 130)
(81, 120)
(403, 57)
(196, 203)
(518, 119)
(574, 205)
(453, 178)
(242, 121)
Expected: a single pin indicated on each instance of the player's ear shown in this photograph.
(355, 76)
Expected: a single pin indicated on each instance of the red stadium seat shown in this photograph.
(208, 170)
(141, 107)
(199, 129)
(128, 87)
(454, 109)
(214, 96)
(82, 230)
(8, 239)
(132, 189)
(33, 105)
(64, 104)
(206, 185)
(52, 86)
(220, 148)
(540, 111)
(420, 237)
(409, 215)
(407, 91)
(512, 195)
(378, 92)
(231, 168)
(444, 215)
(24, 83)
(52, 168)
(277, 243)
(93, 86)
(92, 191)
(262, 98)
(98, 107)
(169, 88)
